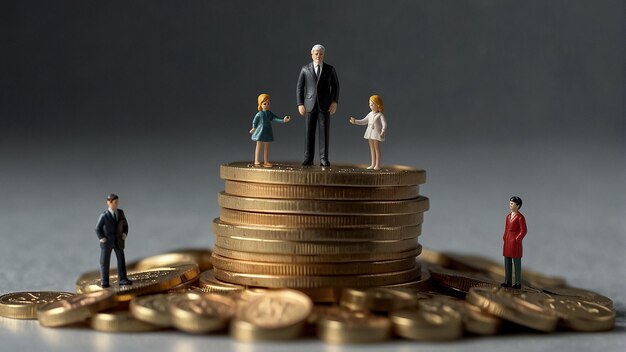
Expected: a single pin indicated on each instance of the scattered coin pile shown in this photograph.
(171, 291)
(316, 228)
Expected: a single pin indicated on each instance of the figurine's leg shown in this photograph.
(121, 264)
(309, 136)
(105, 260)
(507, 271)
(372, 153)
(266, 146)
(324, 131)
(517, 262)
(257, 151)
(377, 154)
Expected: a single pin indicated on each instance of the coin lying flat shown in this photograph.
(581, 315)
(276, 281)
(581, 294)
(338, 326)
(152, 309)
(273, 315)
(336, 175)
(119, 321)
(221, 228)
(238, 217)
(263, 190)
(440, 322)
(201, 257)
(378, 299)
(421, 284)
(75, 309)
(502, 303)
(323, 207)
(209, 284)
(201, 313)
(147, 281)
(23, 305)
(327, 258)
(314, 248)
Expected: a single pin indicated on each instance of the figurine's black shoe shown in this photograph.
(125, 282)
(505, 284)
(324, 162)
(517, 286)
(307, 162)
(105, 285)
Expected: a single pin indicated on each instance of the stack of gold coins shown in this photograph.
(318, 228)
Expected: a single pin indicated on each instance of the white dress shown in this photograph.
(376, 124)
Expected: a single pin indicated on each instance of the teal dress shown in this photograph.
(263, 124)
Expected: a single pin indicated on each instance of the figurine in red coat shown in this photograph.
(514, 232)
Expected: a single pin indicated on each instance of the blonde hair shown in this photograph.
(376, 99)
(263, 97)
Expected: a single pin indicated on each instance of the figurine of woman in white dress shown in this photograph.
(375, 132)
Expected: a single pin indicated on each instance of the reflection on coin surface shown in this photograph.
(201, 313)
(75, 309)
(23, 305)
(339, 325)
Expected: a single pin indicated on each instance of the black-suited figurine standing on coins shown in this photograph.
(112, 229)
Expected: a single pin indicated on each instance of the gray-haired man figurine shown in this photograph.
(317, 94)
(112, 229)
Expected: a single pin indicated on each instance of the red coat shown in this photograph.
(514, 232)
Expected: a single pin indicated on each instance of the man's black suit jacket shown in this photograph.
(112, 230)
(323, 91)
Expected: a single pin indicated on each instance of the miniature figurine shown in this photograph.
(262, 128)
(376, 126)
(112, 229)
(317, 95)
(514, 232)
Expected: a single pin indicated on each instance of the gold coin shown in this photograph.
(153, 309)
(201, 257)
(251, 267)
(323, 207)
(475, 320)
(313, 248)
(503, 304)
(209, 284)
(75, 309)
(261, 190)
(237, 217)
(339, 326)
(273, 315)
(377, 299)
(337, 175)
(580, 315)
(322, 294)
(459, 280)
(146, 281)
(276, 281)
(585, 295)
(421, 284)
(221, 228)
(201, 313)
(327, 258)
(437, 323)
(119, 321)
(23, 305)
(188, 286)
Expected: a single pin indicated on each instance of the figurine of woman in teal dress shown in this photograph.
(262, 128)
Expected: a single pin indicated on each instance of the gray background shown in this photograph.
(148, 98)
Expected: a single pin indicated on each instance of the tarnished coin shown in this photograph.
(209, 284)
(338, 326)
(309, 269)
(323, 207)
(276, 281)
(147, 281)
(313, 248)
(201, 313)
(152, 309)
(23, 305)
(238, 217)
(303, 234)
(264, 190)
(581, 315)
(503, 304)
(119, 321)
(274, 315)
(326, 258)
(336, 175)
(436, 323)
(378, 299)
(75, 309)
(582, 294)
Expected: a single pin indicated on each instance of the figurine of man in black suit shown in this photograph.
(317, 94)
(112, 229)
